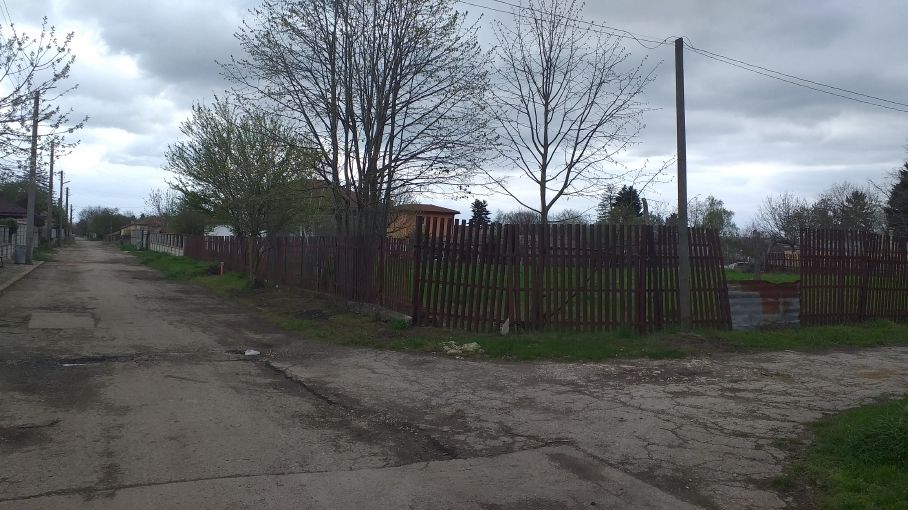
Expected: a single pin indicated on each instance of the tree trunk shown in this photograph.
(252, 260)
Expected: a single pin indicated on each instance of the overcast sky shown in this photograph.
(140, 66)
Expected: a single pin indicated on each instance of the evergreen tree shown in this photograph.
(604, 207)
(626, 206)
(628, 199)
(897, 205)
(858, 213)
(481, 214)
(623, 206)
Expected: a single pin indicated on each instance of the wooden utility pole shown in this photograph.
(49, 221)
(683, 235)
(32, 176)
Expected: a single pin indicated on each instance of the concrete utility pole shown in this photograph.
(68, 208)
(32, 176)
(62, 226)
(683, 241)
(49, 222)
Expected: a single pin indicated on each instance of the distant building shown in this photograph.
(135, 229)
(220, 231)
(11, 210)
(403, 223)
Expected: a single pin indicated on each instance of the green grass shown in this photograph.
(582, 346)
(43, 253)
(733, 275)
(869, 334)
(859, 459)
(362, 331)
(185, 268)
(176, 268)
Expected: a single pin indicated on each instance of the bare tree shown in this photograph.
(28, 65)
(896, 208)
(162, 203)
(517, 217)
(566, 102)
(389, 92)
(783, 216)
(570, 217)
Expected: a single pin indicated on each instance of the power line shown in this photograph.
(702, 51)
(5, 12)
(791, 79)
(594, 27)
(617, 32)
(801, 82)
(804, 85)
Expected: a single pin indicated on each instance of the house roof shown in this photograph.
(426, 208)
(148, 221)
(11, 210)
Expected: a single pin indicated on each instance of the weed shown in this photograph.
(859, 458)
(784, 483)
(786, 443)
(399, 324)
(43, 253)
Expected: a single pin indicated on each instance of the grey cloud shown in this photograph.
(177, 41)
(736, 119)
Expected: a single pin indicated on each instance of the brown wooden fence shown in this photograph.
(785, 262)
(852, 276)
(366, 269)
(589, 277)
(580, 277)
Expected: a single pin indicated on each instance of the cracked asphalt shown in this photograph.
(120, 389)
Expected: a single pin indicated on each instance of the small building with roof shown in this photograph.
(403, 223)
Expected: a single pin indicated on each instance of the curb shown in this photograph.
(6, 285)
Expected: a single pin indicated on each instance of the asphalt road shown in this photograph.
(120, 389)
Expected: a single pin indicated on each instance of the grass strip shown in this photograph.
(734, 275)
(859, 460)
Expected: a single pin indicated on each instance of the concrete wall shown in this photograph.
(163, 248)
(756, 304)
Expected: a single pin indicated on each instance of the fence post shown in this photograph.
(640, 283)
(539, 260)
(865, 277)
(519, 257)
(417, 271)
(378, 276)
(658, 290)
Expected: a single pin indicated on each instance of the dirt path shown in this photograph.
(122, 390)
